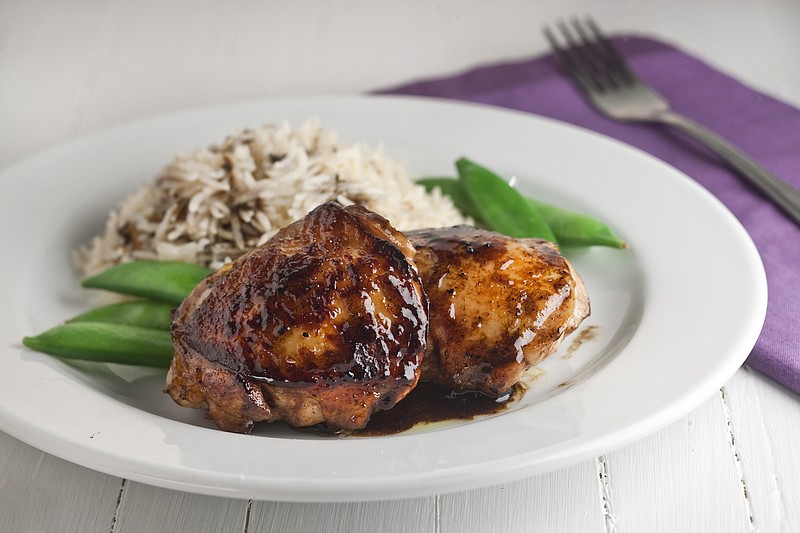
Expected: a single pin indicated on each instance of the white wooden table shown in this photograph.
(69, 68)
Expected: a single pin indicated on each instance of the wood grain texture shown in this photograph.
(146, 509)
(565, 500)
(39, 492)
(682, 478)
(764, 418)
(397, 516)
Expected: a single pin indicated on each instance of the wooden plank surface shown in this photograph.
(145, 508)
(75, 67)
(693, 458)
(39, 492)
(765, 422)
(396, 516)
(566, 500)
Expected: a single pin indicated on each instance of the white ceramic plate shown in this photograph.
(674, 316)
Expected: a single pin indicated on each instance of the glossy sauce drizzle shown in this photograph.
(428, 404)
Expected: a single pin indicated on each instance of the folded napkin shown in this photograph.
(766, 129)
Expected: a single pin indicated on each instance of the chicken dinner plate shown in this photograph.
(673, 316)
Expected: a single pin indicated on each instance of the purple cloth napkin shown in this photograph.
(766, 129)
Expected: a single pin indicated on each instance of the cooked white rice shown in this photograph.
(211, 205)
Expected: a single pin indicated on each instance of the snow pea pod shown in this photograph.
(501, 206)
(143, 313)
(167, 281)
(577, 229)
(569, 227)
(104, 342)
(454, 189)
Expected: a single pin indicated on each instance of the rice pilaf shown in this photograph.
(214, 204)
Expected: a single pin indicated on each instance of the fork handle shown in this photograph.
(780, 192)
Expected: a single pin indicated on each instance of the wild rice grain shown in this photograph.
(212, 205)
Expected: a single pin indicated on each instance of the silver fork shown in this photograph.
(601, 73)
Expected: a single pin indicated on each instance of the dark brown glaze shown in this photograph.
(428, 404)
(326, 323)
(497, 305)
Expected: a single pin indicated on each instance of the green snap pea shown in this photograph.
(168, 281)
(569, 228)
(577, 229)
(142, 313)
(455, 190)
(103, 342)
(501, 206)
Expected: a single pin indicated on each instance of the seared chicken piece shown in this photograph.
(324, 324)
(497, 305)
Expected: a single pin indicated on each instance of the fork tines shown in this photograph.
(590, 58)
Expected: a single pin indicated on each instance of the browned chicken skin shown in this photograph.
(325, 324)
(497, 305)
(328, 322)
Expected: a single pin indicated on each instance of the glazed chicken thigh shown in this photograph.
(497, 305)
(324, 324)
